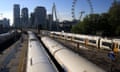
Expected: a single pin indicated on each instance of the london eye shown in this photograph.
(74, 4)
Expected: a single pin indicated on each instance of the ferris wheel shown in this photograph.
(81, 12)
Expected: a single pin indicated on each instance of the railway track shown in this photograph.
(13, 59)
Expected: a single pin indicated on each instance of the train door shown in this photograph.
(86, 42)
(115, 47)
(98, 45)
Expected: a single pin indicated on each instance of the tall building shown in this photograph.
(40, 17)
(16, 15)
(1, 26)
(50, 21)
(24, 18)
(4, 25)
(31, 20)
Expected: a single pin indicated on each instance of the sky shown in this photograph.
(63, 7)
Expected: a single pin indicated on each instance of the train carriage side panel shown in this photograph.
(105, 44)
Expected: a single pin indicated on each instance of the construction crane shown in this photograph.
(81, 13)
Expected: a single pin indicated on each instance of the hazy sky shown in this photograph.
(63, 7)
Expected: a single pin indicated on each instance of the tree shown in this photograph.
(104, 25)
(114, 19)
(108, 24)
(88, 25)
(78, 28)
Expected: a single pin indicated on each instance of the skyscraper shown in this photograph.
(24, 18)
(16, 15)
(50, 21)
(31, 20)
(40, 17)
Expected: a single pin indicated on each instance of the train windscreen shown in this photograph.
(69, 37)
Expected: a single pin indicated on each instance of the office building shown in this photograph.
(40, 17)
(31, 20)
(16, 15)
(24, 18)
(4, 25)
(50, 21)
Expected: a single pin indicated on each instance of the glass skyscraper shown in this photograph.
(16, 15)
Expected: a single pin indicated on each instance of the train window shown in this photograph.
(106, 44)
(79, 39)
(56, 35)
(92, 41)
(62, 35)
(53, 33)
(69, 36)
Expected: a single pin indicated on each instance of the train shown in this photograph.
(96, 41)
(37, 58)
(69, 60)
(6, 36)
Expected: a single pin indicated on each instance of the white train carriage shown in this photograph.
(85, 39)
(106, 43)
(90, 40)
(79, 38)
(62, 35)
(93, 40)
(37, 58)
(52, 34)
(70, 61)
(55, 34)
(68, 36)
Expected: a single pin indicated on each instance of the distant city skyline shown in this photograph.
(63, 7)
